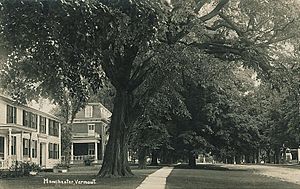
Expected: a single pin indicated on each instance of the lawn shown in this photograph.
(35, 182)
(215, 177)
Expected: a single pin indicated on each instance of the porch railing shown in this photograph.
(3, 164)
(83, 157)
(78, 158)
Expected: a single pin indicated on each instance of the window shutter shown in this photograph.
(15, 115)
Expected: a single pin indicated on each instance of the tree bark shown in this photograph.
(258, 160)
(115, 163)
(192, 160)
(268, 156)
(154, 157)
(284, 156)
(166, 157)
(142, 158)
(277, 156)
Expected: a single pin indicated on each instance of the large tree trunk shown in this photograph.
(115, 163)
(142, 158)
(277, 156)
(283, 155)
(166, 157)
(192, 160)
(269, 156)
(154, 157)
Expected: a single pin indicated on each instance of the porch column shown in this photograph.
(72, 157)
(96, 152)
(9, 148)
(38, 151)
(102, 146)
(30, 146)
(21, 147)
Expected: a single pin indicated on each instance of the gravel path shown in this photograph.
(282, 173)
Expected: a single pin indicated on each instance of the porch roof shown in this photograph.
(15, 128)
(84, 137)
(84, 140)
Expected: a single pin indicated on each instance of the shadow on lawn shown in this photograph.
(207, 167)
(136, 167)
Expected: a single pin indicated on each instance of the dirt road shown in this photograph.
(286, 174)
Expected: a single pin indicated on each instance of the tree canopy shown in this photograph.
(65, 49)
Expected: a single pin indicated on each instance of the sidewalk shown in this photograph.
(156, 180)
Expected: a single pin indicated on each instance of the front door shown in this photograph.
(1, 152)
(1, 148)
(42, 154)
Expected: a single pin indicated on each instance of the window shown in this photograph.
(91, 127)
(56, 129)
(34, 148)
(56, 151)
(42, 125)
(29, 119)
(1, 148)
(89, 111)
(25, 147)
(51, 150)
(11, 114)
(13, 145)
(50, 127)
(91, 149)
(33, 120)
(53, 128)
(26, 118)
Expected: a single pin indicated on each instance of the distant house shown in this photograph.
(89, 133)
(28, 135)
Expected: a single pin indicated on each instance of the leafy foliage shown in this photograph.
(173, 67)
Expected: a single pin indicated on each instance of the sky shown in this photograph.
(43, 105)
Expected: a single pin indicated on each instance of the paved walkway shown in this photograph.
(156, 180)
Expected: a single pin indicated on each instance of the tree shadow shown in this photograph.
(214, 167)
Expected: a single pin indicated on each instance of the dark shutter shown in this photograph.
(14, 114)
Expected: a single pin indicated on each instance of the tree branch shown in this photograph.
(141, 67)
(199, 5)
(215, 11)
(270, 42)
(276, 31)
(140, 78)
(232, 25)
(109, 68)
(225, 51)
(216, 27)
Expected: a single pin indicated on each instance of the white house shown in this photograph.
(28, 135)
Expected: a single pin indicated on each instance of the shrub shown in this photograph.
(62, 166)
(19, 169)
(88, 160)
(29, 167)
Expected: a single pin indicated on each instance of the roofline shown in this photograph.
(10, 100)
(98, 103)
